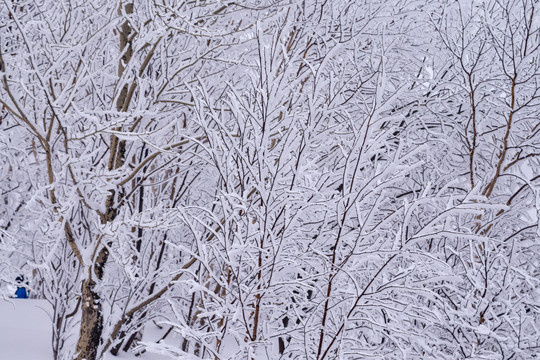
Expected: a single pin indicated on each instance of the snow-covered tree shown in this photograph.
(298, 179)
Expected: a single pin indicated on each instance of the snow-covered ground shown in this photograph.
(25, 332)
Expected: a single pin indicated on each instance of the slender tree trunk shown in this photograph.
(92, 318)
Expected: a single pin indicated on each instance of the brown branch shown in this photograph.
(354, 306)
(71, 241)
(474, 134)
(150, 158)
(489, 188)
(146, 302)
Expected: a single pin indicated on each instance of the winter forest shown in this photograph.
(274, 179)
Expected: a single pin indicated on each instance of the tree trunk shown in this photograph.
(91, 323)
(92, 319)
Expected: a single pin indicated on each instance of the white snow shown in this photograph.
(25, 330)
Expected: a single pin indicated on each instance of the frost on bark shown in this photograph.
(91, 323)
(90, 336)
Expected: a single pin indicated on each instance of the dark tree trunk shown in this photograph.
(91, 323)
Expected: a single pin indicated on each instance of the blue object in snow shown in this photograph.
(21, 293)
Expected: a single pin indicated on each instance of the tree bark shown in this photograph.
(91, 323)
(92, 318)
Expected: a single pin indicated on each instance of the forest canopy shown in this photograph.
(275, 179)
